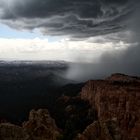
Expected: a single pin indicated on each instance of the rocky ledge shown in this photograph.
(117, 101)
(40, 126)
(111, 109)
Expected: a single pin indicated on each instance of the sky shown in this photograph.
(33, 45)
(61, 30)
(101, 32)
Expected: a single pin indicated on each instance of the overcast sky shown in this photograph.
(105, 33)
(75, 30)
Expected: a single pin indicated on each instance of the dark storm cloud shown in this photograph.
(125, 61)
(77, 18)
(82, 19)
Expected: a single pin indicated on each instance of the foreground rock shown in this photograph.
(104, 110)
(117, 101)
(40, 126)
(108, 130)
(12, 132)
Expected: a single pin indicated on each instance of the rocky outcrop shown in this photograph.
(40, 126)
(123, 78)
(72, 115)
(108, 130)
(92, 132)
(104, 110)
(116, 98)
(12, 132)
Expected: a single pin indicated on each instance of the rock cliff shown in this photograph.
(40, 126)
(104, 110)
(117, 101)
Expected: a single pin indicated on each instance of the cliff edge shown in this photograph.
(117, 101)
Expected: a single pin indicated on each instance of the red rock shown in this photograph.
(116, 97)
(40, 126)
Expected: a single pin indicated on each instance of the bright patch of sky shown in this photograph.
(27, 45)
(7, 32)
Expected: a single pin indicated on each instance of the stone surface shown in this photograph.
(101, 131)
(116, 98)
(40, 126)
(12, 132)
(105, 109)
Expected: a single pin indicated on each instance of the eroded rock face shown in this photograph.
(40, 126)
(108, 130)
(105, 109)
(123, 78)
(12, 132)
(117, 98)
(92, 132)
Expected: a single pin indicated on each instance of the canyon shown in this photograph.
(106, 109)
(117, 101)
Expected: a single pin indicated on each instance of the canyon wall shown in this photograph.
(40, 126)
(104, 110)
(117, 101)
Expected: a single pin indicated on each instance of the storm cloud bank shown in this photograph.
(82, 20)
(125, 61)
(74, 18)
